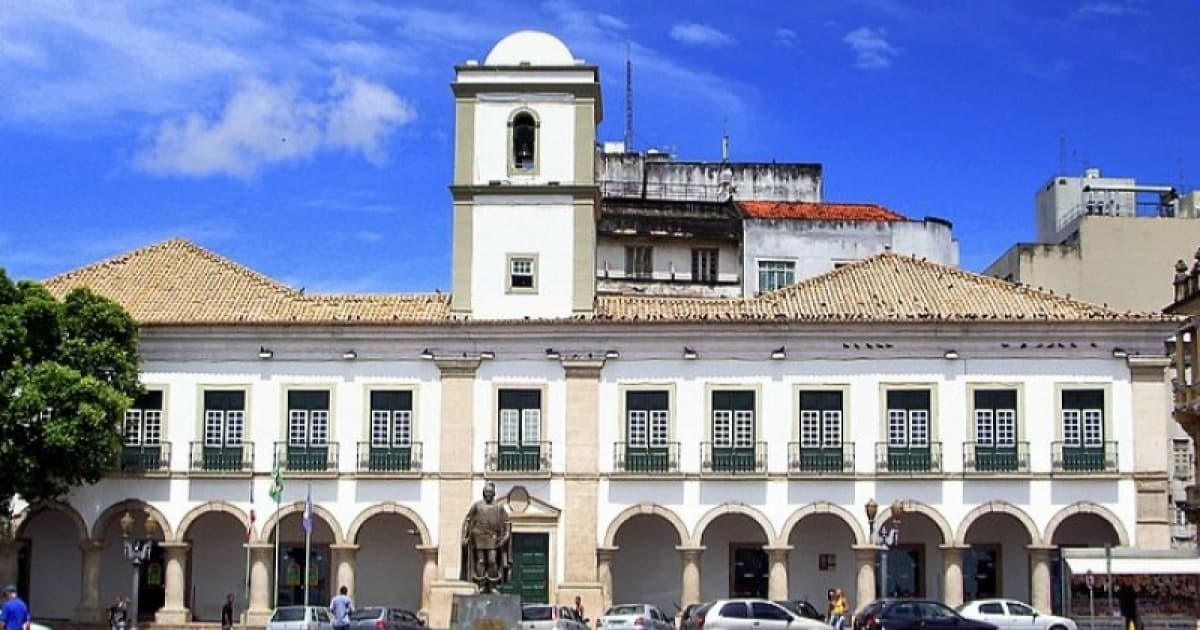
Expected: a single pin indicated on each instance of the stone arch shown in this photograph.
(224, 507)
(822, 507)
(733, 508)
(116, 509)
(1001, 507)
(389, 507)
(644, 509)
(1086, 507)
(917, 507)
(297, 507)
(30, 511)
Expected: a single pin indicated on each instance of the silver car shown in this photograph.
(300, 618)
(634, 617)
(550, 617)
(755, 614)
(1010, 614)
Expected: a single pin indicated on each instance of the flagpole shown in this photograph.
(276, 493)
(307, 541)
(249, 535)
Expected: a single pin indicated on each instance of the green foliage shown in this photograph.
(68, 371)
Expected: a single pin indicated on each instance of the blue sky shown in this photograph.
(311, 141)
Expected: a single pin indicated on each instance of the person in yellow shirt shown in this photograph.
(839, 609)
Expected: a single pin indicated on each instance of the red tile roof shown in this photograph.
(823, 211)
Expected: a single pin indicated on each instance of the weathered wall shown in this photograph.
(623, 174)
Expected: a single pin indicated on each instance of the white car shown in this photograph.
(755, 614)
(635, 617)
(1009, 614)
(550, 617)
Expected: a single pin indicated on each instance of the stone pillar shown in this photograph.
(580, 458)
(88, 609)
(689, 589)
(174, 612)
(777, 582)
(604, 558)
(864, 560)
(429, 558)
(345, 561)
(8, 561)
(1151, 465)
(1039, 577)
(261, 558)
(952, 559)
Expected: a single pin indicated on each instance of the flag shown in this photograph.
(307, 522)
(276, 491)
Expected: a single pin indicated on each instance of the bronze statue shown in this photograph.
(487, 536)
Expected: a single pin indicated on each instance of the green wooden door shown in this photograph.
(530, 577)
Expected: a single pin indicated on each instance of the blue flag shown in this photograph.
(307, 520)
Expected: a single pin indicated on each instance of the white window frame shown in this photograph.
(786, 267)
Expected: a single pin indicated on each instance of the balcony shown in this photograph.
(232, 458)
(145, 458)
(908, 460)
(303, 458)
(645, 459)
(733, 460)
(821, 460)
(527, 457)
(991, 458)
(389, 459)
(1100, 458)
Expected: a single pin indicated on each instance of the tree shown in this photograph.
(68, 372)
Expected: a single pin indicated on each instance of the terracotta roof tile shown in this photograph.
(822, 211)
(178, 283)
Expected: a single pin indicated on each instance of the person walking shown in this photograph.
(15, 612)
(1127, 601)
(579, 609)
(118, 614)
(838, 609)
(341, 607)
(227, 613)
(829, 605)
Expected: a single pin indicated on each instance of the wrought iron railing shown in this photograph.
(221, 458)
(1089, 458)
(307, 457)
(145, 458)
(728, 459)
(522, 457)
(995, 458)
(644, 458)
(908, 459)
(820, 459)
(389, 459)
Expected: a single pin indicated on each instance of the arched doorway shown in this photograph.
(1078, 526)
(216, 564)
(734, 563)
(388, 565)
(821, 558)
(915, 566)
(116, 572)
(996, 561)
(646, 566)
(50, 560)
(291, 567)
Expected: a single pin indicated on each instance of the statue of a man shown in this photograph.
(486, 533)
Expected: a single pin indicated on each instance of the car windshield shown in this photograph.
(289, 613)
(624, 610)
(537, 613)
(366, 613)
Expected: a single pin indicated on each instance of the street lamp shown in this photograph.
(137, 551)
(888, 535)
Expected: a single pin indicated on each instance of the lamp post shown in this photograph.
(137, 551)
(887, 536)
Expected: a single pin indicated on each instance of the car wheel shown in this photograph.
(1058, 627)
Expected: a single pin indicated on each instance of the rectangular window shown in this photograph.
(1083, 418)
(995, 418)
(810, 428)
(722, 429)
(908, 418)
(308, 417)
(775, 274)
(391, 418)
(143, 420)
(531, 426)
(520, 416)
(510, 427)
(1181, 459)
(820, 419)
(639, 261)
(733, 419)
(639, 428)
(224, 418)
(521, 272)
(648, 418)
(704, 264)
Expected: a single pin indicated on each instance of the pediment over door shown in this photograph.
(524, 508)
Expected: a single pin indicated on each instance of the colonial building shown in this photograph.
(649, 448)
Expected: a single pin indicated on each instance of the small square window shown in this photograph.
(522, 273)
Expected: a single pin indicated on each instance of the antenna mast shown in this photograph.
(628, 100)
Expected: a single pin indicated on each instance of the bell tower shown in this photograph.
(525, 195)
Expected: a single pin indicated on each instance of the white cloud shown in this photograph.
(264, 124)
(871, 48)
(785, 37)
(368, 236)
(1109, 9)
(700, 34)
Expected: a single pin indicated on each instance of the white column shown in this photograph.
(777, 581)
(429, 557)
(1039, 577)
(864, 559)
(174, 611)
(952, 557)
(689, 592)
(259, 610)
(345, 561)
(604, 558)
(88, 610)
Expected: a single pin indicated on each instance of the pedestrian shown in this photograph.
(829, 605)
(579, 609)
(839, 608)
(15, 612)
(341, 607)
(1127, 601)
(227, 613)
(118, 614)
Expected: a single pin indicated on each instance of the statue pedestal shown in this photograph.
(491, 611)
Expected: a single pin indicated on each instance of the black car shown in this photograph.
(384, 618)
(802, 608)
(914, 614)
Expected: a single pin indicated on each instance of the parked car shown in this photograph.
(550, 617)
(755, 614)
(634, 616)
(802, 608)
(689, 619)
(1009, 614)
(914, 614)
(33, 625)
(300, 618)
(384, 618)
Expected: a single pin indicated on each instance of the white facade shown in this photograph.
(1060, 203)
